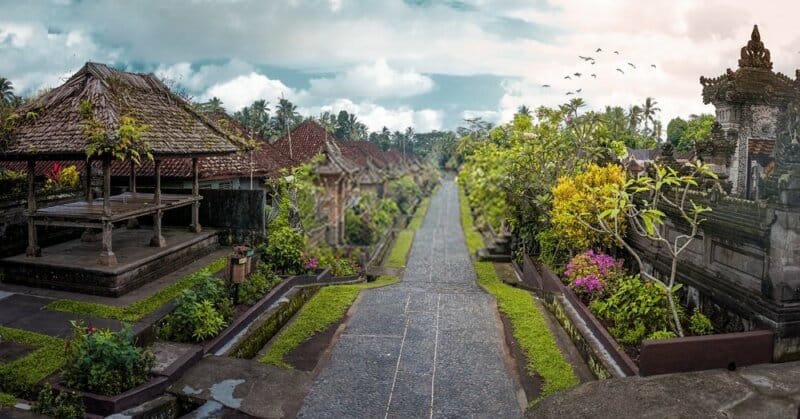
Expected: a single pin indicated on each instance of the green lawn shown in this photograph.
(419, 215)
(402, 245)
(141, 308)
(7, 400)
(325, 308)
(528, 323)
(21, 375)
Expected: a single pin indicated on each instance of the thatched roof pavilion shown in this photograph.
(53, 127)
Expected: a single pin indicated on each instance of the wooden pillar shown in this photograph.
(33, 249)
(107, 256)
(158, 239)
(88, 235)
(195, 227)
(133, 223)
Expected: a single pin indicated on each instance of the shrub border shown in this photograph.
(21, 376)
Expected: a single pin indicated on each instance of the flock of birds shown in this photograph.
(593, 61)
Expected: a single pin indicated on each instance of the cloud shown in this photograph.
(372, 81)
(375, 117)
(243, 90)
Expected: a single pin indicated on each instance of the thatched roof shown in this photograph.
(56, 132)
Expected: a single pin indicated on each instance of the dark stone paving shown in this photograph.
(430, 346)
(25, 312)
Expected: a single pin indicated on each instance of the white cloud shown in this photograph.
(372, 81)
(375, 117)
(243, 90)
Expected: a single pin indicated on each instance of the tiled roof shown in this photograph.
(369, 172)
(176, 129)
(309, 139)
(377, 155)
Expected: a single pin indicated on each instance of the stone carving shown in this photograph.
(754, 54)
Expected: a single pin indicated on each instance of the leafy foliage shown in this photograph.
(592, 275)
(636, 309)
(404, 192)
(582, 196)
(200, 313)
(284, 249)
(59, 177)
(258, 284)
(369, 219)
(64, 405)
(662, 334)
(127, 141)
(22, 375)
(105, 362)
(700, 325)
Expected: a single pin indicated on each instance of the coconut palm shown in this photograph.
(649, 111)
(634, 118)
(6, 92)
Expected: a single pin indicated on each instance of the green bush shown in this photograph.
(7, 400)
(200, 313)
(257, 285)
(662, 334)
(21, 376)
(105, 362)
(283, 250)
(700, 325)
(64, 405)
(369, 219)
(359, 229)
(636, 309)
(342, 266)
(404, 192)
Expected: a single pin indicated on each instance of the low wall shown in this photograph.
(696, 353)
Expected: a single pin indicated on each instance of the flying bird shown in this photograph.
(593, 63)
(569, 93)
(577, 74)
(579, 90)
(545, 85)
(599, 50)
(594, 75)
(568, 77)
(620, 70)
(584, 58)
(631, 64)
(653, 65)
(616, 52)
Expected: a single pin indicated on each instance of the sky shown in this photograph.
(422, 63)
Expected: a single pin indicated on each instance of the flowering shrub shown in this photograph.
(59, 177)
(592, 274)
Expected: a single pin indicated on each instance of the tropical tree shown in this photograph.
(675, 130)
(649, 110)
(7, 97)
(286, 116)
(213, 105)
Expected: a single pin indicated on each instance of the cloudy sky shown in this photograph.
(423, 63)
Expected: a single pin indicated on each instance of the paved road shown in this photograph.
(430, 346)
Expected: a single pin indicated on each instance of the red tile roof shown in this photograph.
(761, 146)
(309, 139)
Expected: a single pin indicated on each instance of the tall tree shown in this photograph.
(649, 111)
(286, 116)
(7, 96)
(675, 129)
(524, 110)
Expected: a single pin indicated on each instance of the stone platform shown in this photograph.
(74, 266)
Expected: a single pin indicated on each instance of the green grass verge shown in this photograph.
(22, 375)
(419, 215)
(141, 308)
(325, 308)
(402, 245)
(7, 400)
(528, 323)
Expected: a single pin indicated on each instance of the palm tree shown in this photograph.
(286, 114)
(524, 110)
(649, 110)
(634, 118)
(214, 105)
(616, 121)
(6, 91)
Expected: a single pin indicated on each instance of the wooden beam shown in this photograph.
(33, 249)
(195, 227)
(157, 240)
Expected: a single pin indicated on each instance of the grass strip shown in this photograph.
(325, 308)
(141, 308)
(528, 323)
(21, 376)
(402, 245)
(419, 215)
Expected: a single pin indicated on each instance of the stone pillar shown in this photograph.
(33, 249)
(195, 227)
(88, 235)
(158, 239)
(107, 256)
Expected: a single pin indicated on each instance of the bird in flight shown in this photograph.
(594, 75)
(545, 85)
(653, 65)
(584, 58)
(567, 77)
(620, 70)
(579, 90)
(599, 50)
(570, 93)
(577, 74)
(616, 52)
(631, 64)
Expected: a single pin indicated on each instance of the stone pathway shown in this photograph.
(430, 346)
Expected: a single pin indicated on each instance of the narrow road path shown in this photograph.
(428, 347)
